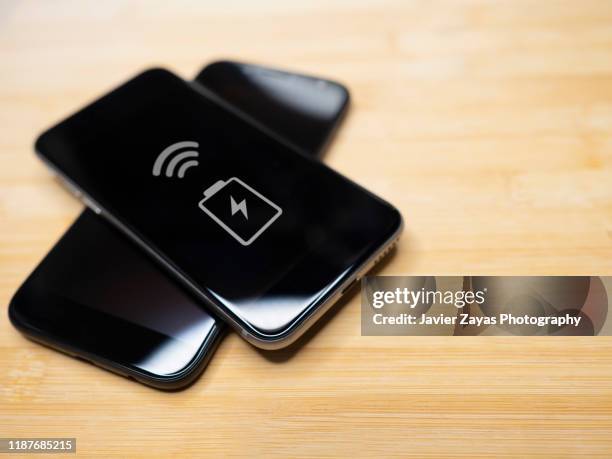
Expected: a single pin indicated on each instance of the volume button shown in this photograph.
(92, 205)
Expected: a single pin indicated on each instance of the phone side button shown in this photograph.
(92, 205)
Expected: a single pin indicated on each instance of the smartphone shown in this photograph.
(304, 110)
(264, 235)
(115, 307)
(97, 296)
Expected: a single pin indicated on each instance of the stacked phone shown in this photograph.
(207, 206)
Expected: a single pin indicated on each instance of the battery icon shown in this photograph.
(239, 209)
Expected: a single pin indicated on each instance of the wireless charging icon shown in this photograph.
(179, 157)
(239, 209)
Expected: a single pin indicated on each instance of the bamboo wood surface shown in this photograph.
(489, 124)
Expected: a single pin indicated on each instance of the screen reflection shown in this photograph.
(98, 292)
(303, 110)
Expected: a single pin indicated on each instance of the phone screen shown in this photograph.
(98, 292)
(187, 178)
(304, 110)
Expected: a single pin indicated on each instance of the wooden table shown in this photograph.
(489, 124)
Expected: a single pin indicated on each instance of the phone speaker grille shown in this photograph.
(382, 255)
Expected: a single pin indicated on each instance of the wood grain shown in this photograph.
(489, 124)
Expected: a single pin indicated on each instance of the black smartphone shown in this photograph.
(304, 110)
(97, 296)
(264, 235)
(115, 307)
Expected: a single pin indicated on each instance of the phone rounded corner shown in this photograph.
(348, 98)
(266, 342)
(154, 71)
(15, 318)
(279, 336)
(212, 65)
(344, 89)
(38, 145)
(399, 224)
(185, 377)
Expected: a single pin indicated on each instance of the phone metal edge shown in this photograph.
(175, 381)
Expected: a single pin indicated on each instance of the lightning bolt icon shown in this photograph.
(242, 207)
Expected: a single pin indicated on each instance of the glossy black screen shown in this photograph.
(325, 228)
(302, 109)
(97, 292)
